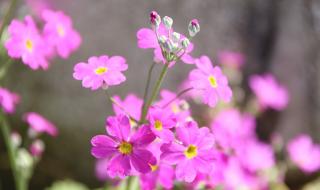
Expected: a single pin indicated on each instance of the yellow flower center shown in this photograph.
(125, 148)
(101, 70)
(158, 125)
(153, 167)
(60, 30)
(175, 108)
(191, 151)
(29, 45)
(213, 81)
(132, 123)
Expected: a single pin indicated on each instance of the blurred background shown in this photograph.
(277, 36)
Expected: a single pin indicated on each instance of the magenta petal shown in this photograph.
(117, 63)
(142, 137)
(119, 166)
(103, 146)
(187, 134)
(186, 171)
(166, 176)
(146, 38)
(140, 160)
(119, 127)
(172, 153)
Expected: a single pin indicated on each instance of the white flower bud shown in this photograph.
(175, 37)
(15, 139)
(185, 43)
(155, 19)
(193, 27)
(167, 21)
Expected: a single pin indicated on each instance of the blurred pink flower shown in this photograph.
(231, 59)
(161, 123)
(124, 148)
(179, 107)
(59, 32)
(26, 43)
(132, 105)
(269, 92)
(37, 6)
(37, 148)
(8, 100)
(101, 71)
(39, 124)
(210, 81)
(304, 153)
(161, 173)
(193, 154)
(147, 38)
(231, 128)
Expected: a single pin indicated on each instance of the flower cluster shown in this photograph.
(36, 47)
(159, 140)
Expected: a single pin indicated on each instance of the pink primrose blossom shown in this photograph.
(8, 100)
(39, 124)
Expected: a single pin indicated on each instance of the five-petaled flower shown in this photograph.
(100, 71)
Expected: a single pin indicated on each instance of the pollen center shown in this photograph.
(125, 148)
(153, 167)
(29, 45)
(60, 30)
(101, 70)
(158, 125)
(175, 108)
(191, 151)
(213, 81)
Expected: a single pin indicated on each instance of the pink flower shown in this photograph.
(269, 92)
(125, 149)
(26, 43)
(161, 123)
(193, 154)
(147, 38)
(101, 71)
(210, 81)
(231, 128)
(161, 173)
(8, 100)
(36, 148)
(256, 156)
(179, 107)
(37, 6)
(231, 59)
(132, 105)
(59, 32)
(39, 124)
(304, 153)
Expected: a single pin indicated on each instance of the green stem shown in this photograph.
(155, 92)
(5, 129)
(7, 16)
(146, 90)
(4, 68)
(177, 96)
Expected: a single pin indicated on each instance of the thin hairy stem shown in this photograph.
(177, 96)
(7, 16)
(146, 90)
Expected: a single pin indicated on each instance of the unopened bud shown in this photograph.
(36, 148)
(185, 43)
(175, 37)
(155, 19)
(162, 39)
(15, 139)
(171, 46)
(167, 21)
(24, 160)
(193, 27)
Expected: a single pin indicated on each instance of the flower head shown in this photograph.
(269, 92)
(39, 124)
(59, 32)
(101, 71)
(210, 81)
(193, 153)
(36, 148)
(124, 148)
(8, 100)
(161, 122)
(304, 153)
(231, 59)
(26, 43)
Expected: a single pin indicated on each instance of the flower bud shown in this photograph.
(171, 46)
(155, 19)
(162, 39)
(175, 37)
(167, 21)
(193, 27)
(36, 148)
(15, 139)
(185, 43)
